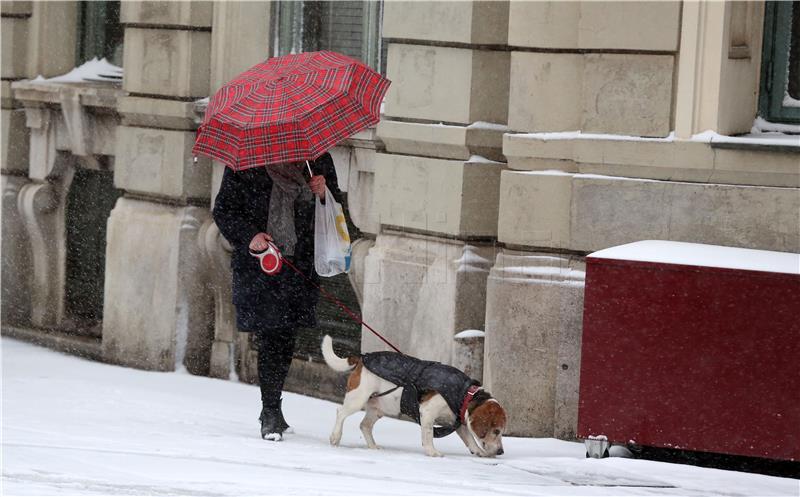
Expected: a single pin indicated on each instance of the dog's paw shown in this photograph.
(374, 447)
(335, 439)
(434, 453)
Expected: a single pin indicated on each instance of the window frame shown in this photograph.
(94, 35)
(294, 18)
(775, 64)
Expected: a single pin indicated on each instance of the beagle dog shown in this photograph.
(389, 383)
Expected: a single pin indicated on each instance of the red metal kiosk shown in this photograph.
(693, 347)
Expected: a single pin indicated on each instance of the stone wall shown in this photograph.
(517, 137)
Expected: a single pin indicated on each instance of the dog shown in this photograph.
(389, 383)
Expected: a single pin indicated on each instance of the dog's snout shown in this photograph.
(500, 451)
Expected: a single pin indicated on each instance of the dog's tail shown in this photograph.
(332, 360)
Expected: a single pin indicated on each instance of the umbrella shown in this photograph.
(289, 109)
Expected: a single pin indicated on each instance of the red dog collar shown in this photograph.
(467, 399)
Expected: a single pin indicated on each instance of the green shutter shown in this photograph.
(775, 70)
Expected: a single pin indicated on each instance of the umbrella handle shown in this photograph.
(310, 174)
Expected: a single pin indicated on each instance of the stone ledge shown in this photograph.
(661, 159)
(443, 141)
(90, 94)
(158, 113)
(586, 212)
(81, 346)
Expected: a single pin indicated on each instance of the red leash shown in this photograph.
(352, 315)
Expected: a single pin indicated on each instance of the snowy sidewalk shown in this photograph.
(74, 427)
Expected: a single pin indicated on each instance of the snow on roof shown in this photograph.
(93, 70)
(697, 254)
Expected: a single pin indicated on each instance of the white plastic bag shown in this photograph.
(331, 239)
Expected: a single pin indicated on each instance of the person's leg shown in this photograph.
(275, 351)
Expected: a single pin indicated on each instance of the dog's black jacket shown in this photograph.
(417, 377)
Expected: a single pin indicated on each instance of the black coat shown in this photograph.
(240, 210)
(417, 377)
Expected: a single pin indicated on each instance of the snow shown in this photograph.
(574, 135)
(482, 159)
(93, 70)
(471, 334)
(763, 133)
(76, 427)
(788, 101)
(488, 126)
(761, 125)
(757, 138)
(470, 261)
(696, 254)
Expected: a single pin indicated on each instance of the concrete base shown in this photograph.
(534, 307)
(83, 346)
(157, 313)
(419, 291)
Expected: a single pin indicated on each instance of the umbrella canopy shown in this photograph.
(289, 109)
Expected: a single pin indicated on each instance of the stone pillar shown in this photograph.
(606, 67)
(468, 353)
(533, 335)
(420, 290)
(16, 263)
(436, 184)
(719, 70)
(158, 308)
(240, 38)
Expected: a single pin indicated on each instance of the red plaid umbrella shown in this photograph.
(289, 109)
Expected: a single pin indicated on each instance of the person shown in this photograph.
(273, 203)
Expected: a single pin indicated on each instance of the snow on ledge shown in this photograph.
(470, 334)
(93, 70)
(762, 133)
(761, 125)
(760, 138)
(575, 135)
(697, 254)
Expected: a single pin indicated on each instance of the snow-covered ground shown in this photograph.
(75, 427)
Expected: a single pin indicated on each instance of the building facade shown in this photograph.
(517, 137)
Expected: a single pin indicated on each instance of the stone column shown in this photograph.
(38, 39)
(158, 309)
(533, 337)
(240, 39)
(16, 264)
(437, 183)
(594, 67)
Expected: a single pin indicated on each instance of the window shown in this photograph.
(780, 78)
(99, 32)
(348, 27)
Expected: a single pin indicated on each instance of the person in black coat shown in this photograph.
(273, 203)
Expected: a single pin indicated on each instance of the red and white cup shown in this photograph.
(270, 260)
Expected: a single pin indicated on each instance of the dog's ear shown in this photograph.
(480, 397)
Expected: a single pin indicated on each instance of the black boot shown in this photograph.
(273, 425)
